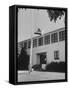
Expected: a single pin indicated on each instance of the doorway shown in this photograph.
(42, 58)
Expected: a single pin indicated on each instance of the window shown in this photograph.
(56, 55)
(54, 37)
(40, 41)
(47, 39)
(35, 43)
(25, 44)
(61, 35)
(20, 44)
(29, 43)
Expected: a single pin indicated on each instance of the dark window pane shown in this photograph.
(47, 39)
(61, 35)
(35, 43)
(19, 47)
(40, 41)
(29, 43)
(56, 55)
(25, 44)
(54, 37)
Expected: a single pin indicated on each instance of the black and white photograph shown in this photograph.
(41, 44)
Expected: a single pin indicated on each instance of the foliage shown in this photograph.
(37, 67)
(56, 67)
(23, 60)
(52, 67)
(55, 14)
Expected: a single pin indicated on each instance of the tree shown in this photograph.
(23, 60)
(55, 14)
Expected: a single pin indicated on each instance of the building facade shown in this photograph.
(47, 48)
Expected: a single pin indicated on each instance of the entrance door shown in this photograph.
(42, 58)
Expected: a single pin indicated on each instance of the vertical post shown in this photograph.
(30, 63)
(31, 49)
(30, 67)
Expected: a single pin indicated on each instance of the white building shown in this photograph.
(47, 48)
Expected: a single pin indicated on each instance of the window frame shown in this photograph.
(47, 41)
(56, 55)
(25, 42)
(29, 43)
(54, 37)
(40, 42)
(62, 35)
(34, 42)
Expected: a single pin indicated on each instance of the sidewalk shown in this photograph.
(38, 76)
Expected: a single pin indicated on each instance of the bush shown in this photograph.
(37, 67)
(56, 67)
(23, 60)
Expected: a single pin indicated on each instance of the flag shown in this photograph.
(38, 32)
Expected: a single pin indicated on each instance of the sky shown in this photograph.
(29, 20)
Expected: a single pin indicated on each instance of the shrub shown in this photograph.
(37, 67)
(23, 60)
(56, 67)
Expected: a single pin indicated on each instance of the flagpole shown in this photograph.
(30, 67)
(30, 64)
(31, 49)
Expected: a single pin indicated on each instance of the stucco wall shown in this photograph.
(49, 49)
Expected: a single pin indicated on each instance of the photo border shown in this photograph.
(16, 40)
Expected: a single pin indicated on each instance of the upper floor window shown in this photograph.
(61, 35)
(54, 37)
(29, 43)
(56, 55)
(20, 44)
(25, 44)
(40, 41)
(47, 39)
(35, 43)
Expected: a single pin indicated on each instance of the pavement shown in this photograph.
(39, 76)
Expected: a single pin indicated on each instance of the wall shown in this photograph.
(60, 46)
(49, 49)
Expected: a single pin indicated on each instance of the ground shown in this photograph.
(38, 76)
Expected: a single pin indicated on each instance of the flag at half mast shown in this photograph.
(38, 32)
